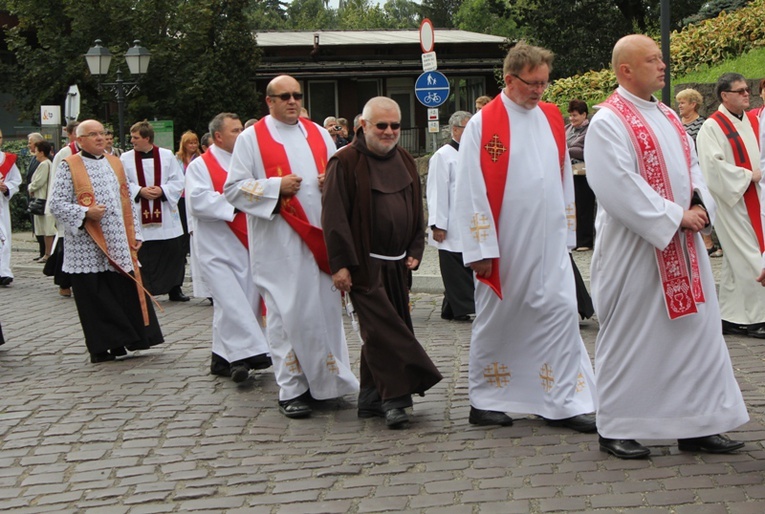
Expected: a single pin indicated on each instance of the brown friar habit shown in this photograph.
(373, 204)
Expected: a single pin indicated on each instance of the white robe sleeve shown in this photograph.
(128, 163)
(726, 180)
(202, 200)
(613, 175)
(172, 174)
(475, 222)
(438, 191)
(13, 181)
(570, 202)
(247, 187)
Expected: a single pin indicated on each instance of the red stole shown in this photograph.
(218, 176)
(277, 164)
(5, 167)
(495, 140)
(682, 290)
(74, 148)
(151, 210)
(741, 158)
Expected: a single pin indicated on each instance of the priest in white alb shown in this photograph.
(515, 210)
(661, 364)
(729, 156)
(276, 173)
(156, 184)
(10, 180)
(220, 237)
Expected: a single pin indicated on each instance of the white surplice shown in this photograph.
(304, 318)
(526, 354)
(657, 378)
(742, 299)
(12, 181)
(224, 264)
(171, 181)
(441, 194)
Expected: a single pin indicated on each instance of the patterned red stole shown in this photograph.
(495, 160)
(218, 176)
(682, 290)
(277, 164)
(74, 148)
(151, 210)
(741, 158)
(5, 167)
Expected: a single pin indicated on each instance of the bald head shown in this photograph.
(287, 109)
(638, 65)
(382, 103)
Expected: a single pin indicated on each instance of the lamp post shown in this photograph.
(137, 58)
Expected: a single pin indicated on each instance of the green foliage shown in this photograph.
(204, 58)
(18, 205)
(750, 65)
(487, 17)
(713, 8)
(714, 40)
(592, 87)
(441, 12)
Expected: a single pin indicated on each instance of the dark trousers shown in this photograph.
(458, 285)
(585, 212)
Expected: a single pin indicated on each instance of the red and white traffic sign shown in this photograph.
(427, 39)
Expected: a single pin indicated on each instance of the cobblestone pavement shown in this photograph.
(155, 432)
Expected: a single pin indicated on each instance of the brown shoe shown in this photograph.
(65, 292)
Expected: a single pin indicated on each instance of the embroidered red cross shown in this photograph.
(495, 148)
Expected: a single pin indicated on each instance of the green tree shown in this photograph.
(441, 12)
(404, 14)
(310, 15)
(204, 57)
(487, 17)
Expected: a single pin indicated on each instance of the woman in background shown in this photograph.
(45, 224)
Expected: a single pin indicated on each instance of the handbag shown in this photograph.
(578, 168)
(36, 206)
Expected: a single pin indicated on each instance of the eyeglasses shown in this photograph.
(384, 126)
(742, 91)
(533, 85)
(94, 134)
(285, 97)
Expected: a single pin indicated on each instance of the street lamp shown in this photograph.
(137, 58)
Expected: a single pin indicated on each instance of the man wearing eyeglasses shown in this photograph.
(729, 155)
(373, 225)
(515, 210)
(276, 175)
(103, 238)
(458, 303)
(662, 365)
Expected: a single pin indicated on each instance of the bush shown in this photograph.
(19, 217)
(592, 87)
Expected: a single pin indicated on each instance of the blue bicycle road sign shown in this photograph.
(432, 88)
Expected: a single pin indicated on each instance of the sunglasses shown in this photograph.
(384, 126)
(741, 91)
(285, 97)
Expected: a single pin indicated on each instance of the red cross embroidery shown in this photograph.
(495, 148)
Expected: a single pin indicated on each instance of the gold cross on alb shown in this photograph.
(292, 363)
(332, 365)
(253, 191)
(495, 148)
(548, 380)
(571, 216)
(479, 227)
(496, 374)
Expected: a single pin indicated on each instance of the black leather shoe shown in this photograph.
(118, 352)
(729, 328)
(220, 366)
(371, 411)
(261, 361)
(489, 417)
(624, 448)
(757, 331)
(396, 418)
(584, 423)
(95, 358)
(176, 295)
(295, 408)
(709, 444)
(136, 347)
(240, 371)
(6, 281)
